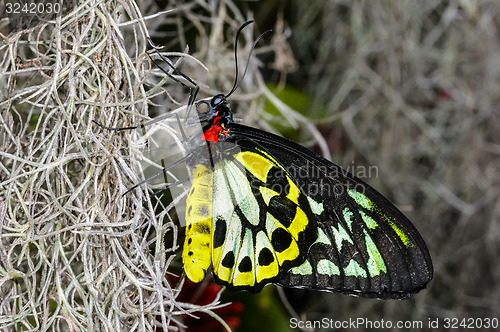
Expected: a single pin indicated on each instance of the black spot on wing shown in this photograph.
(277, 181)
(228, 260)
(281, 240)
(220, 232)
(282, 209)
(245, 265)
(265, 257)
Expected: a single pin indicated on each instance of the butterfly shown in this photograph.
(262, 210)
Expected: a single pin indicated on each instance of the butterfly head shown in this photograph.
(214, 115)
(217, 101)
(217, 107)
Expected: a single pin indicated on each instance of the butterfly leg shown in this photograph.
(193, 90)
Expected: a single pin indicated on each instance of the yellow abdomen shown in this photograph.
(197, 251)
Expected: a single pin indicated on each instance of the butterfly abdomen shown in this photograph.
(196, 254)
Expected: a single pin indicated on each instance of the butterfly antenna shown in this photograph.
(236, 83)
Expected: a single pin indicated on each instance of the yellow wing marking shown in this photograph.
(243, 256)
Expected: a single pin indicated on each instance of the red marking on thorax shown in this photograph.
(213, 133)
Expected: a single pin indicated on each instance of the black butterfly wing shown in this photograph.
(364, 245)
